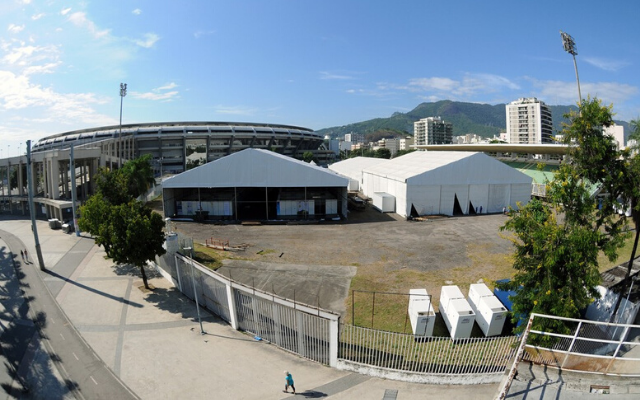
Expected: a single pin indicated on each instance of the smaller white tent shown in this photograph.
(256, 180)
(447, 183)
(352, 168)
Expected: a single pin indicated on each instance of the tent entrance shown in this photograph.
(252, 204)
(457, 210)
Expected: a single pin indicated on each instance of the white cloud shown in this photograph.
(606, 65)
(17, 92)
(137, 11)
(331, 76)
(168, 86)
(558, 92)
(36, 17)
(159, 93)
(41, 69)
(26, 1)
(199, 34)
(24, 56)
(234, 110)
(65, 11)
(431, 84)
(471, 84)
(15, 28)
(80, 20)
(149, 40)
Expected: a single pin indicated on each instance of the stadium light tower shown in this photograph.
(570, 47)
(123, 92)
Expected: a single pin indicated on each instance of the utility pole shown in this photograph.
(123, 92)
(32, 209)
(72, 173)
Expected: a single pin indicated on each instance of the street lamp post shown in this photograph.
(123, 92)
(570, 47)
(195, 294)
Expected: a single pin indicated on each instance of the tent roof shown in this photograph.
(448, 167)
(353, 167)
(256, 168)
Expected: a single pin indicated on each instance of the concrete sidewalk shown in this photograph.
(152, 340)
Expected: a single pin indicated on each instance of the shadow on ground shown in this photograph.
(27, 370)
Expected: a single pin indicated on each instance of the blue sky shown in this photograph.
(314, 64)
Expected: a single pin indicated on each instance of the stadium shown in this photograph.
(174, 147)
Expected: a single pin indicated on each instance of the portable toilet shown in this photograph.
(421, 313)
(490, 312)
(456, 312)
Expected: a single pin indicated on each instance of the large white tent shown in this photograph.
(258, 179)
(447, 183)
(352, 168)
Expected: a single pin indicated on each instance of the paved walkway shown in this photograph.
(152, 342)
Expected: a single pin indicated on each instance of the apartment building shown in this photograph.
(432, 130)
(529, 122)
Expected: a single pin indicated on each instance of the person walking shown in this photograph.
(22, 255)
(26, 255)
(288, 382)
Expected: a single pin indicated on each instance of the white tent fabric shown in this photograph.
(352, 168)
(256, 168)
(432, 181)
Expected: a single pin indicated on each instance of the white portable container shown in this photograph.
(490, 312)
(456, 312)
(384, 202)
(421, 313)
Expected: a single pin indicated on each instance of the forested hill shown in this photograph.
(482, 119)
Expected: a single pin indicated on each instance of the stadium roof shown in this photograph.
(499, 147)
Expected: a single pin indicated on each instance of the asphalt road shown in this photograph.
(38, 315)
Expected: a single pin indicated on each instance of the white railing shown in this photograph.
(308, 331)
(483, 359)
(591, 346)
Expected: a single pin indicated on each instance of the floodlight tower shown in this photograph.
(570, 47)
(123, 92)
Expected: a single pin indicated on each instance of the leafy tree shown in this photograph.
(129, 231)
(630, 197)
(139, 175)
(383, 153)
(307, 156)
(557, 243)
(136, 235)
(403, 152)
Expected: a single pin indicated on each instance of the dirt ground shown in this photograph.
(390, 254)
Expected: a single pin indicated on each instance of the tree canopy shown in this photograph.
(557, 242)
(127, 229)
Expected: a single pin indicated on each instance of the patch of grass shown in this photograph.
(389, 310)
(623, 255)
(207, 256)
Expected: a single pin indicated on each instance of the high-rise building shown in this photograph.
(432, 130)
(529, 121)
(354, 137)
(617, 132)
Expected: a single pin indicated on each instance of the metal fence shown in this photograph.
(298, 328)
(432, 355)
(591, 346)
(290, 329)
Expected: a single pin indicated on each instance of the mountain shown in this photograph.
(482, 119)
